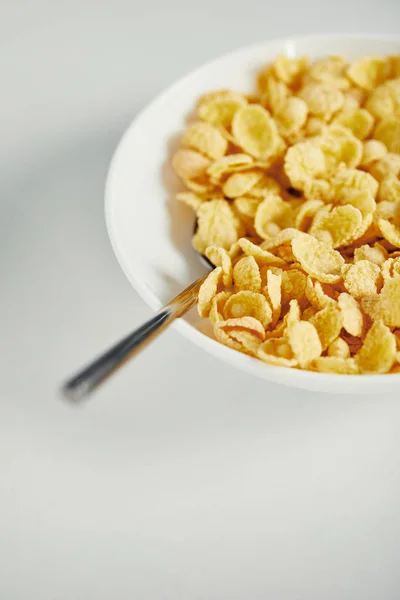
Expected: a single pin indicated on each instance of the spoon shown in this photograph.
(86, 380)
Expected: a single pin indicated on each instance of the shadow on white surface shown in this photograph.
(182, 478)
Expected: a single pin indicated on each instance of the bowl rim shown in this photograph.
(299, 378)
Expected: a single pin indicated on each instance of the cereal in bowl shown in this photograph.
(296, 191)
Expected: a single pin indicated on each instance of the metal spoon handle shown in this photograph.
(90, 377)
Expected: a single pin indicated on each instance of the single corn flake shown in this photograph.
(330, 70)
(189, 164)
(337, 228)
(317, 259)
(209, 289)
(355, 180)
(238, 184)
(248, 304)
(306, 214)
(372, 150)
(362, 278)
(359, 121)
(277, 352)
(368, 72)
(384, 101)
(217, 225)
(378, 351)
(255, 131)
(289, 70)
(389, 189)
(246, 274)
(206, 139)
(220, 258)
(323, 99)
(376, 254)
(319, 295)
(390, 232)
(228, 164)
(389, 305)
(217, 306)
(328, 323)
(352, 317)
(293, 286)
(219, 108)
(263, 257)
(273, 292)
(337, 365)
(292, 116)
(339, 348)
(272, 211)
(304, 161)
(305, 343)
(371, 306)
(387, 166)
(388, 132)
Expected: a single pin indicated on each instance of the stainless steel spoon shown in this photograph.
(80, 385)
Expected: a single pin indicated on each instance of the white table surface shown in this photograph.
(182, 478)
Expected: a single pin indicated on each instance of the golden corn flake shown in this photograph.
(388, 132)
(248, 304)
(220, 258)
(330, 70)
(328, 323)
(255, 131)
(246, 274)
(384, 101)
(263, 257)
(189, 164)
(317, 259)
(304, 342)
(372, 150)
(389, 189)
(277, 352)
(355, 180)
(323, 99)
(352, 317)
(378, 351)
(289, 70)
(368, 73)
(250, 341)
(370, 305)
(390, 232)
(306, 213)
(303, 162)
(320, 295)
(272, 215)
(336, 364)
(339, 348)
(238, 184)
(208, 290)
(389, 305)
(219, 108)
(359, 121)
(361, 278)
(206, 139)
(296, 191)
(217, 306)
(293, 286)
(291, 116)
(273, 292)
(217, 225)
(337, 227)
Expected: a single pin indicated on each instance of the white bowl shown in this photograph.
(151, 232)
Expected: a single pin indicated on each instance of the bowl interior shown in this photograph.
(151, 232)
